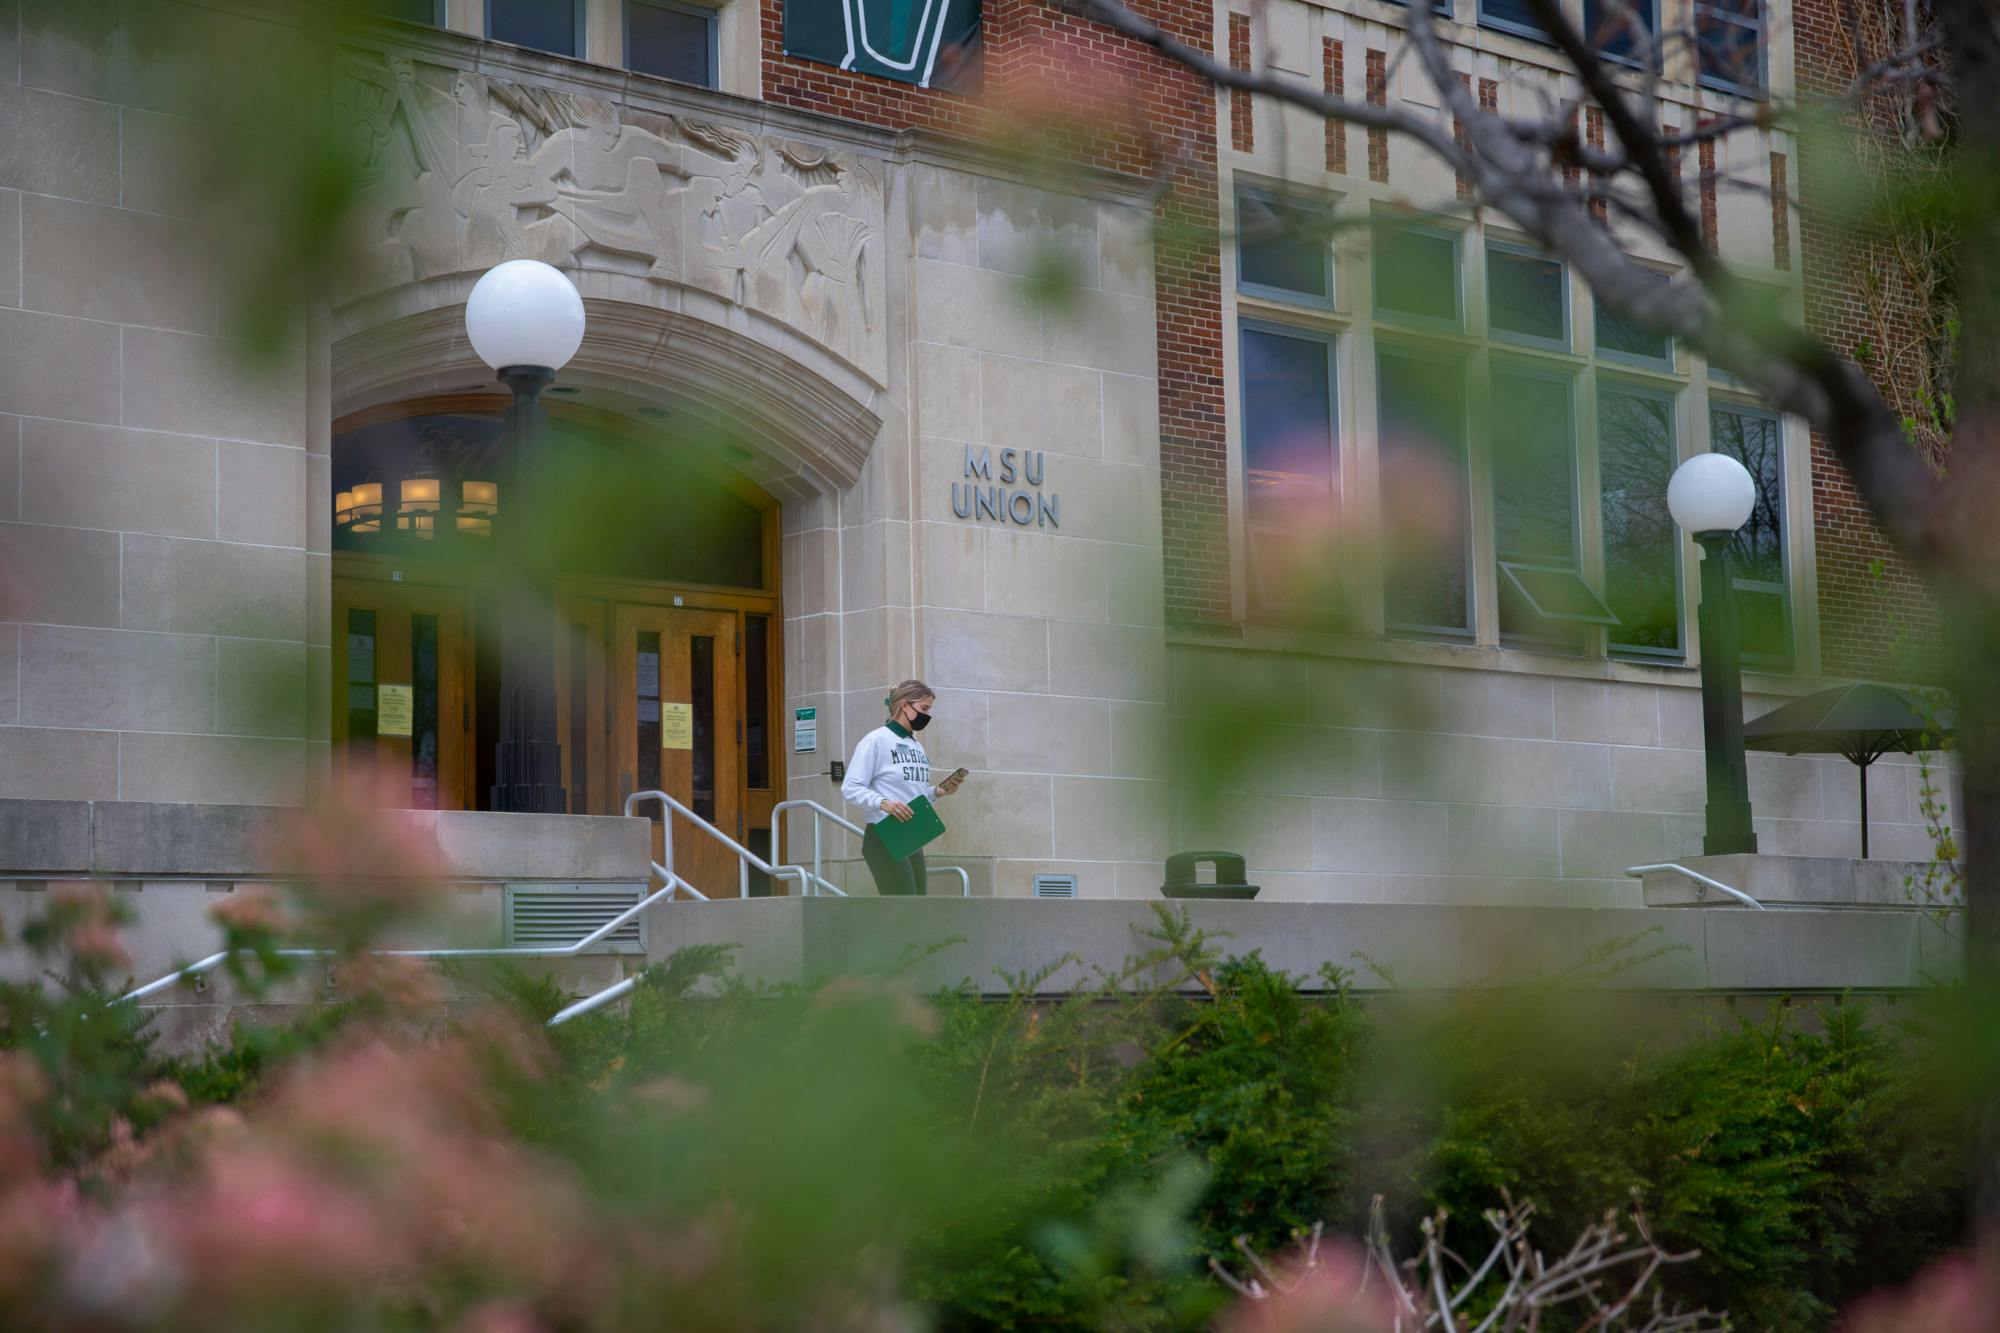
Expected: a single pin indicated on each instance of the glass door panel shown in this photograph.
(401, 719)
(678, 729)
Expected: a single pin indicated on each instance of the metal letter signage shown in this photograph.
(1002, 503)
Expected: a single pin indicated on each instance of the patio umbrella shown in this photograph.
(1862, 722)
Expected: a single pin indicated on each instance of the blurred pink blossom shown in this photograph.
(1335, 1294)
(1958, 1294)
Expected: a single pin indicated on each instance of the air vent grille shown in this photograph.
(1055, 886)
(542, 916)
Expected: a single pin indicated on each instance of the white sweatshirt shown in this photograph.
(887, 765)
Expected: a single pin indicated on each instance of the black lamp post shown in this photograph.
(1711, 496)
(525, 320)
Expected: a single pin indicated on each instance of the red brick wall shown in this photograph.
(1877, 618)
(1113, 104)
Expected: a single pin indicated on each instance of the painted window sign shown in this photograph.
(931, 43)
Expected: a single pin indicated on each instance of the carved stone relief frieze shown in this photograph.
(465, 171)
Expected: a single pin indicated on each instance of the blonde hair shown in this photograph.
(907, 693)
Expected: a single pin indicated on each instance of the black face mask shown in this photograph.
(920, 721)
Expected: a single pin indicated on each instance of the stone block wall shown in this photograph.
(157, 633)
(1412, 782)
(1039, 620)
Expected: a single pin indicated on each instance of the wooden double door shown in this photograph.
(649, 697)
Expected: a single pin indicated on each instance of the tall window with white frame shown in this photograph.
(1729, 45)
(1576, 437)
(555, 26)
(1624, 30)
(429, 13)
(673, 41)
(1420, 429)
(1291, 450)
(1637, 390)
(1755, 437)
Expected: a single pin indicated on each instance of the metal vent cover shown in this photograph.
(1055, 886)
(545, 916)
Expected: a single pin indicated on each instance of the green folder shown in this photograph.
(903, 837)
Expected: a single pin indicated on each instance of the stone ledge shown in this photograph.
(1830, 882)
(1382, 946)
(141, 840)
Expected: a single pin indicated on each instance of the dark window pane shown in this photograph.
(1543, 598)
(1534, 469)
(360, 682)
(1641, 549)
(1608, 25)
(408, 11)
(545, 25)
(1622, 337)
(672, 43)
(1752, 439)
(1764, 621)
(757, 707)
(1423, 492)
(1757, 554)
(424, 709)
(1729, 41)
(1416, 273)
(1517, 16)
(1282, 246)
(701, 676)
(579, 719)
(1525, 294)
(1291, 467)
(647, 675)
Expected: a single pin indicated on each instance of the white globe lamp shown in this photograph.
(1711, 493)
(1711, 496)
(525, 320)
(524, 313)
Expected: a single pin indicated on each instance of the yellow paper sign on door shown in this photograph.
(395, 709)
(676, 726)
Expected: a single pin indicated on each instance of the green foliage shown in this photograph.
(227, 1072)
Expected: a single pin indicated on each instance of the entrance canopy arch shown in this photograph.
(800, 421)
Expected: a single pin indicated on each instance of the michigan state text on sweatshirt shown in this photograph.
(888, 765)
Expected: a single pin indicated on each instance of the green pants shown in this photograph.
(893, 878)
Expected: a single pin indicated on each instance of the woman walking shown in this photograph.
(888, 771)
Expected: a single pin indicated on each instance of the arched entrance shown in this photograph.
(668, 669)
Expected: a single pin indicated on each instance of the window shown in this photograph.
(427, 12)
(1609, 26)
(1532, 445)
(1515, 16)
(1755, 439)
(1283, 249)
(673, 41)
(545, 25)
(1291, 468)
(1729, 44)
(1642, 565)
(1416, 275)
(1527, 297)
(1421, 447)
(1624, 340)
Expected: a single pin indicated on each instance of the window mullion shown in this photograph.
(1589, 507)
(1482, 541)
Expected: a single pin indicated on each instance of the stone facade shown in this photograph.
(158, 536)
(1036, 505)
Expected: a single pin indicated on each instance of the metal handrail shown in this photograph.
(820, 812)
(215, 960)
(745, 858)
(1702, 882)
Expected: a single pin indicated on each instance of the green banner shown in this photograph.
(931, 43)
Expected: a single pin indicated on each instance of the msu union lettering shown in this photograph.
(998, 500)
